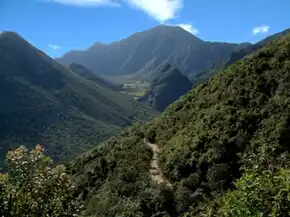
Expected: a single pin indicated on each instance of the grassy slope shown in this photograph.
(237, 119)
(43, 102)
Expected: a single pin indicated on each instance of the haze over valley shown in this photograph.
(164, 108)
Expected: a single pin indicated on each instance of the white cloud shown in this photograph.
(87, 3)
(53, 46)
(189, 28)
(160, 10)
(260, 29)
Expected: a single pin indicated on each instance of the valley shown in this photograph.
(161, 123)
(135, 89)
(62, 108)
(227, 130)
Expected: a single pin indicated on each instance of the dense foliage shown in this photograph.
(144, 53)
(236, 120)
(166, 88)
(43, 102)
(113, 179)
(257, 194)
(33, 187)
(222, 129)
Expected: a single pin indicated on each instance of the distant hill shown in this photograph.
(144, 53)
(88, 74)
(234, 57)
(239, 54)
(44, 102)
(166, 88)
(236, 123)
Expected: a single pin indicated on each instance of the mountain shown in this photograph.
(44, 102)
(240, 53)
(88, 74)
(144, 53)
(166, 88)
(235, 123)
(235, 56)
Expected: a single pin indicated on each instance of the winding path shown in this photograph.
(155, 172)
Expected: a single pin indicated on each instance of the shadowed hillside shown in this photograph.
(88, 74)
(166, 88)
(44, 102)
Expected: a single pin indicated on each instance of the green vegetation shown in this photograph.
(134, 88)
(113, 180)
(233, 127)
(166, 88)
(33, 187)
(44, 102)
(263, 193)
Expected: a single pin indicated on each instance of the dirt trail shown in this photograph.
(156, 174)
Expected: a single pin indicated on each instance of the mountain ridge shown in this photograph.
(166, 88)
(142, 53)
(88, 74)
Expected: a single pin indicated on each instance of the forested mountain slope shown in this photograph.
(237, 121)
(143, 53)
(44, 102)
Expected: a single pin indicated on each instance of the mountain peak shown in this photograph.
(167, 27)
(144, 53)
(175, 30)
(167, 88)
(11, 35)
(173, 74)
(12, 40)
(97, 45)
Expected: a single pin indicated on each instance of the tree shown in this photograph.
(33, 186)
(257, 194)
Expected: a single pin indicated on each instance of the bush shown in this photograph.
(33, 187)
(257, 194)
(217, 176)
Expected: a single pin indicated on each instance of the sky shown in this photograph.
(58, 26)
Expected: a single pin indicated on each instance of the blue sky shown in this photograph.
(57, 26)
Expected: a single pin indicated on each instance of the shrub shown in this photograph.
(33, 187)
